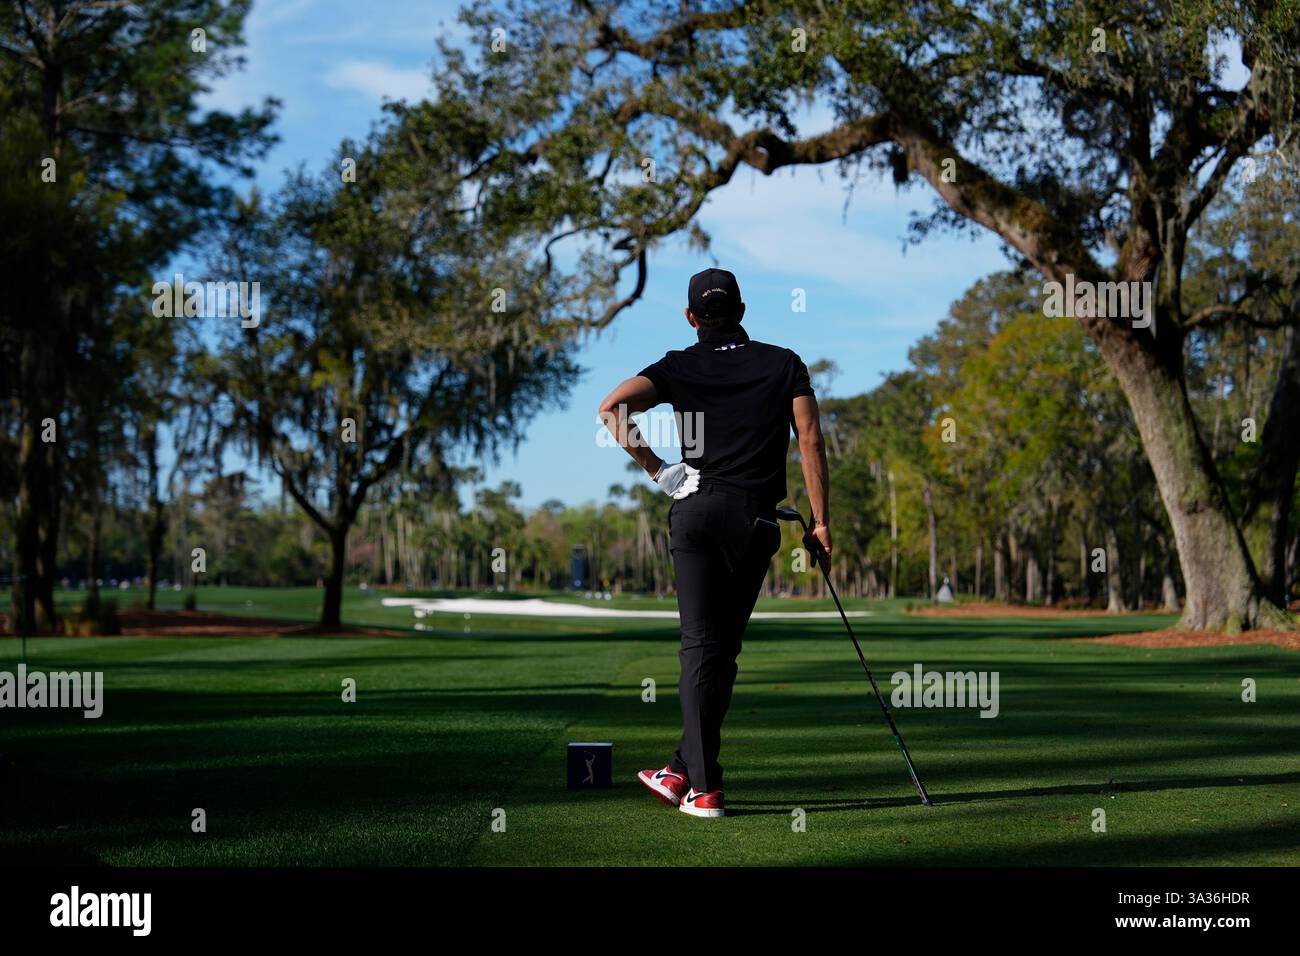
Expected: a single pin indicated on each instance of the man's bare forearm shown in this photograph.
(620, 424)
(631, 397)
(807, 421)
(812, 455)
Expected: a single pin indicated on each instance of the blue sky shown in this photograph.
(332, 63)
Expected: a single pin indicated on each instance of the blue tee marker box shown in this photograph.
(591, 765)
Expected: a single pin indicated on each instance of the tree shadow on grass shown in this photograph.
(277, 764)
(1245, 844)
(743, 807)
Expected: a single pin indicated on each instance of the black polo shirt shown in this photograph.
(732, 397)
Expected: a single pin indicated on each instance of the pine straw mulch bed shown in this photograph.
(1176, 637)
(986, 609)
(209, 624)
(1165, 638)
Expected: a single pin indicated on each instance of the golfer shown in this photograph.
(736, 399)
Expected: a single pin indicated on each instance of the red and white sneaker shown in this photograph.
(703, 804)
(668, 785)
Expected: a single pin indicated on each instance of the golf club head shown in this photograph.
(809, 542)
(791, 514)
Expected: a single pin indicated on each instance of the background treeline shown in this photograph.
(426, 290)
(1004, 459)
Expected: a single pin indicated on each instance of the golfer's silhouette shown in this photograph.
(723, 527)
(591, 767)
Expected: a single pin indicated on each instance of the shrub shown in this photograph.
(90, 606)
(98, 616)
(106, 621)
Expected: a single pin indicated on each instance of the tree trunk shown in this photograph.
(92, 553)
(1031, 579)
(1139, 560)
(406, 553)
(157, 517)
(37, 518)
(1168, 590)
(979, 570)
(1114, 581)
(1223, 590)
(893, 537)
(331, 610)
(151, 568)
(999, 570)
(1015, 580)
(1085, 591)
(41, 393)
(933, 533)
(386, 538)
(1268, 510)
(1050, 563)
(1292, 554)
(179, 528)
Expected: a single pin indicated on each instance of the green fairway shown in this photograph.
(450, 725)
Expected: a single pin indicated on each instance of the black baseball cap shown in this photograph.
(714, 294)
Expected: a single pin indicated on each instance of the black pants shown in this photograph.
(721, 543)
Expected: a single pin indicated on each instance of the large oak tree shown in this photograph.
(1090, 138)
(400, 330)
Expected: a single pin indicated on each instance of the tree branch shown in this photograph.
(1024, 223)
(662, 48)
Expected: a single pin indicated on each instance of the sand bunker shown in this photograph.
(537, 607)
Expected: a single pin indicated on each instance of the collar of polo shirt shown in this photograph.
(729, 333)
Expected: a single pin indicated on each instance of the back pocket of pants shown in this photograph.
(688, 530)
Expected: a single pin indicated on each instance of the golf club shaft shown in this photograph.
(884, 708)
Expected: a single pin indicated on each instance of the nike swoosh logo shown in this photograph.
(692, 797)
(661, 775)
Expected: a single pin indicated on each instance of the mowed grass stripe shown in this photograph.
(254, 732)
(1186, 772)
(451, 725)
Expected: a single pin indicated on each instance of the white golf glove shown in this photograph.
(679, 480)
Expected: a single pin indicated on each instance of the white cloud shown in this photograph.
(795, 227)
(379, 80)
(805, 191)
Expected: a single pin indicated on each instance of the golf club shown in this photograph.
(792, 514)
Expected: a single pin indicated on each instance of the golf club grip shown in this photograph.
(818, 552)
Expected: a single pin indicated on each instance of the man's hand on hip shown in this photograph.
(679, 480)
